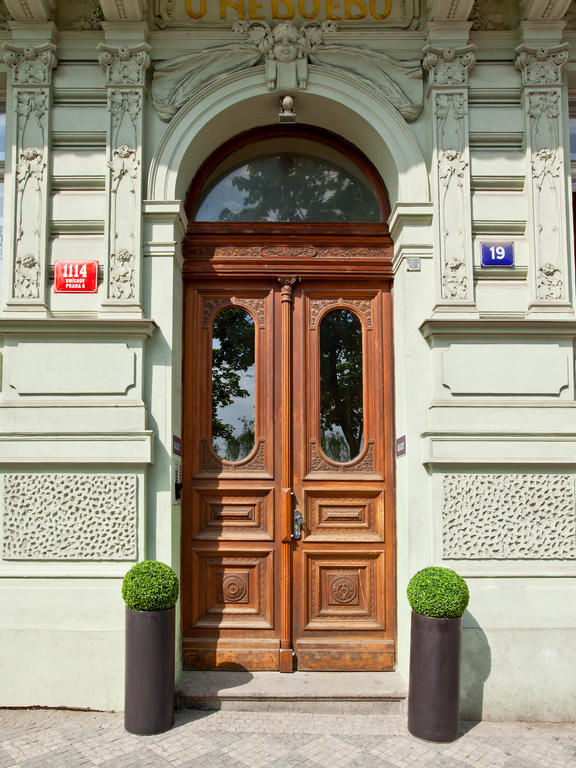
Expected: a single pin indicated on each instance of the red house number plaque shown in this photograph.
(75, 277)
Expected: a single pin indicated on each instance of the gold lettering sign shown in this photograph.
(399, 14)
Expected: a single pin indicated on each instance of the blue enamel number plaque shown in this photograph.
(497, 254)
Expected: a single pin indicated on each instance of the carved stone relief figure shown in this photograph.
(125, 68)
(31, 108)
(125, 108)
(285, 50)
(541, 70)
(448, 70)
(550, 285)
(124, 178)
(31, 75)
(122, 276)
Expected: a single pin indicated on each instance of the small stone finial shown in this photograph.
(287, 112)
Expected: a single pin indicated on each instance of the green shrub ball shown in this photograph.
(150, 586)
(438, 592)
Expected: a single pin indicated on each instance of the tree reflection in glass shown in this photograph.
(233, 383)
(287, 187)
(341, 386)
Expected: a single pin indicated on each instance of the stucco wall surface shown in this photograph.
(474, 150)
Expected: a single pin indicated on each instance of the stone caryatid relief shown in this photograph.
(125, 68)
(61, 516)
(489, 15)
(570, 17)
(541, 70)
(79, 15)
(286, 50)
(508, 516)
(31, 76)
(4, 15)
(448, 70)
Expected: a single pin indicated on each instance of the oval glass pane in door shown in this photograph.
(341, 386)
(233, 383)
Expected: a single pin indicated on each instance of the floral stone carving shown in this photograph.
(508, 516)
(30, 65)
(64, 516)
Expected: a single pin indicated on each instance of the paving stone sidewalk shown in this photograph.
(65, 739)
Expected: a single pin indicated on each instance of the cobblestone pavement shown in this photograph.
(64, 739)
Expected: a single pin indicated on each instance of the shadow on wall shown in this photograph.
(475, 669)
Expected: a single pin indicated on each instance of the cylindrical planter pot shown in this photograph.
(434, 687)
(150, 657)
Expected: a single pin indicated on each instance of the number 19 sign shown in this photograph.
(76, 277)
(497, 254)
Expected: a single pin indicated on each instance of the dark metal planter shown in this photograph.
(434, 687)
(149, 697)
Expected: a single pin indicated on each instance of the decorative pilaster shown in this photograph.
(125, 80)
(31, 78)
(448, 70)
(541, 70)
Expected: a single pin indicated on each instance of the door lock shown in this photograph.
(297, 525)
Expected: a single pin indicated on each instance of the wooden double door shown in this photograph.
(288, 553)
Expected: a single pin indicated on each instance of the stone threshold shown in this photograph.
(314, 692)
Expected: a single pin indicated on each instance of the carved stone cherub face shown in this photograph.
(286, 38)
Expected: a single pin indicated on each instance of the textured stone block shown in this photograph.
(61, 516)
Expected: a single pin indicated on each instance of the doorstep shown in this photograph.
(338, 692)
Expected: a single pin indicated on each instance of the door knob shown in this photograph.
(297, 524)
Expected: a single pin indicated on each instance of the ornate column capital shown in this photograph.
(30, 65)
(124, 65)
(449, 67)
(542, 66)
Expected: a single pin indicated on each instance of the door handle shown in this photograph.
(297, 525)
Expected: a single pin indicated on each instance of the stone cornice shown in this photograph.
(65, 327)
(542, 66)
(448, 67)
(433, 329)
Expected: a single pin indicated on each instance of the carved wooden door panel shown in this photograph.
(288, 402)
(343, 568)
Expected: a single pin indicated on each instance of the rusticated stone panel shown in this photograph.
(508, 517)
(69, 517)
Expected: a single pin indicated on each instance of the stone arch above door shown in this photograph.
(333, 100)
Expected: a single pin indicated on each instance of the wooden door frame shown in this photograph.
(262, 250)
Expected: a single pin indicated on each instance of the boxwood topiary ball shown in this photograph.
(438, 592)
(150, 586)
